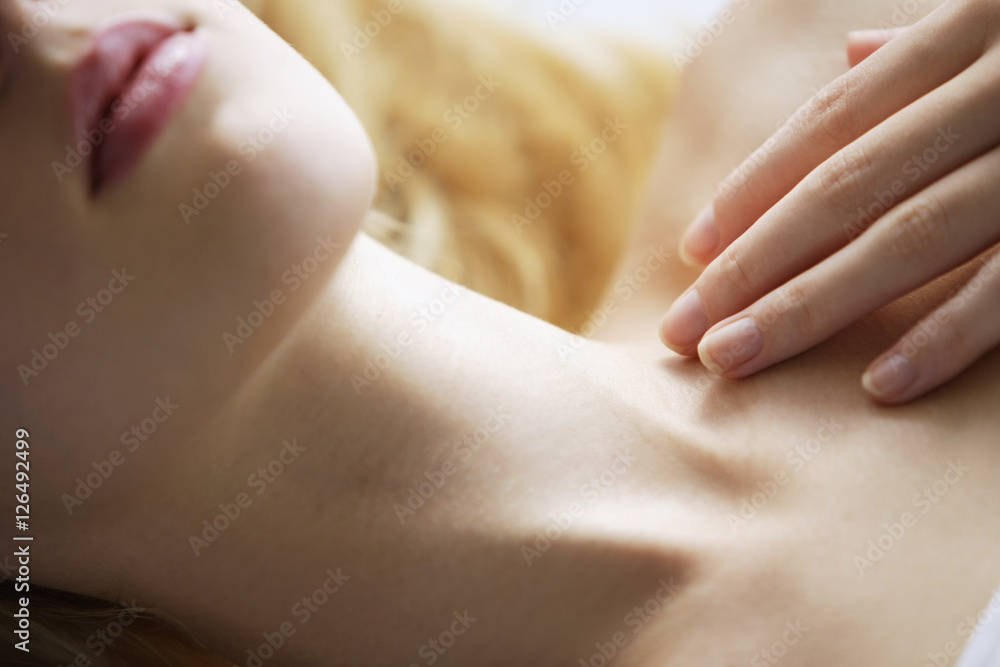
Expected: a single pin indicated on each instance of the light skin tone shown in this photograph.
(657, 455)
(883, 182)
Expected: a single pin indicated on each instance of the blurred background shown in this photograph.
(663, 23)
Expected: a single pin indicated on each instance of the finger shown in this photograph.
(928, 236)
(844, 197)
(863, 43)
(944, 344)
(934, 51)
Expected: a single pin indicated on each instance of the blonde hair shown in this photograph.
(475, 193)
(525, 192)
(79, 631)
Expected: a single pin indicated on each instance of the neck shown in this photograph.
(394, 468)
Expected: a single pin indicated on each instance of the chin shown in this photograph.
(295, 159)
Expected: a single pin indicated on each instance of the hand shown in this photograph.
(886, 180)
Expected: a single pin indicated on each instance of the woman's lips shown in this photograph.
(126, 87)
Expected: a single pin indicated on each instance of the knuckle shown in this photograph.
(844, 176)
(831, 112)
(921, 229)
(733, 267)
(953, 340)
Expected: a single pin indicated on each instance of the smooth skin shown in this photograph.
(880, 184)
(669, 531)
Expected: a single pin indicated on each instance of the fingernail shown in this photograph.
(685, 322)
(701, 239)
(731, 346)
(890, 378)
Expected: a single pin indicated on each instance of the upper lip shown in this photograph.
(104, 70)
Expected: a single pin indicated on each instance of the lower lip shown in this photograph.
(149, 100)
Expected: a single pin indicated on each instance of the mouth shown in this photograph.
(126, 87)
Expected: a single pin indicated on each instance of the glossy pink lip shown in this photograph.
(123, 91)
